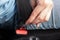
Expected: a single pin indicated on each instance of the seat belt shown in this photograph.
(24, 11)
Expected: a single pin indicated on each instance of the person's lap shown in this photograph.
(8, 24)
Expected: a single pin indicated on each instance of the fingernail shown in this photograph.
(38, 25)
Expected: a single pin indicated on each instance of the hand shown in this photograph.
(41, 12)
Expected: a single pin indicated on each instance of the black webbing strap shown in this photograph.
(24, 10)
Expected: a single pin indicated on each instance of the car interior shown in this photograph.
(19, 21)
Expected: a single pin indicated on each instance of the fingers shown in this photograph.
(35, 12)
(48, 15)
(45, 12)
(38, 20)
(39, 14)
(43, 16)
(46, 18)
(48, 2)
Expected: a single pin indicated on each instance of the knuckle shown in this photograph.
(46, 20)
(28, 21)
(49, 2)
(52, 4)
(42, 19)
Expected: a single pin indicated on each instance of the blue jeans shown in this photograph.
(8, 25)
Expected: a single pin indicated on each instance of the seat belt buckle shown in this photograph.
(22, 30)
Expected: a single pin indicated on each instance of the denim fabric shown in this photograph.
(6, 10)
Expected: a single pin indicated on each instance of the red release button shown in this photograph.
(21, 32)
